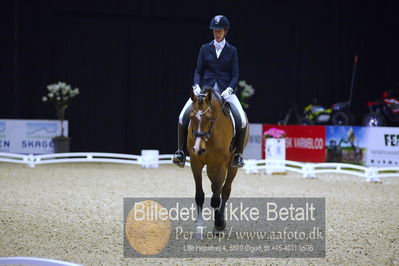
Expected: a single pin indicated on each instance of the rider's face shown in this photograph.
(218, 34)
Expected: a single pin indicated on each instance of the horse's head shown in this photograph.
(201, 120)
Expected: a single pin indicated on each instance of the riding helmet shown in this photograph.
(219, 22)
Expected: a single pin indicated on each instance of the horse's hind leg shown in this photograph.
(196, 168)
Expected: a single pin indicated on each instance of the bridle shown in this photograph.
(205, 135)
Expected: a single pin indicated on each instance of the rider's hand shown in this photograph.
(226, 93)
(196, 89)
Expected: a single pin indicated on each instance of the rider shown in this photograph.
(217, 67)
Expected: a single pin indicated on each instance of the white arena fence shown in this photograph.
(153, 160)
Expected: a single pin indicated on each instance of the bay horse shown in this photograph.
(209, 142)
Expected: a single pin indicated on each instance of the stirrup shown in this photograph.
(179, 158)
(238, 161)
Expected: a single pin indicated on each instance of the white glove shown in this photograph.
(196, 89)
(226, 93)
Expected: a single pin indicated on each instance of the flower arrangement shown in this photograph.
(60, 94)
(274, 133)
(246, 92)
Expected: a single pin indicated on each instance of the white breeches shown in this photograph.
(188, 103)
(232, 100)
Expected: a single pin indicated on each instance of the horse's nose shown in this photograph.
(201, 151)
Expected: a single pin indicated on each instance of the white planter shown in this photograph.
(275, 150)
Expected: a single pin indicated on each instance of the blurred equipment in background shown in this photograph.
(383, 112)
(315, 114)
(342, 111)
(339, 114)
(292, 117)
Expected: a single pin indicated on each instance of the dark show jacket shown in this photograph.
(223, 70)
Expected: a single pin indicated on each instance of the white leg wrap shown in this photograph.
(234, 100)
(184, 110)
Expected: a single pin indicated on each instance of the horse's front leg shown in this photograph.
(196, 168)
(217, 176)
(231, 173)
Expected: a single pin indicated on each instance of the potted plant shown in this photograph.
(274, 133)
(60, 94)
(246, 92)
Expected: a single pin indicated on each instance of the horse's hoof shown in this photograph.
(220, 227)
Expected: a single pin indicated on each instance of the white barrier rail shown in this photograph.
(308, 170)
(87, 157)
(84, 157)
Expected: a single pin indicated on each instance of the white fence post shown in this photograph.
(250, 167)
(150, 158)
(308, 171)
(372, 175)
(31, 160)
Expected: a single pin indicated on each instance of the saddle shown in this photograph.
(232, 111)
(225, 105)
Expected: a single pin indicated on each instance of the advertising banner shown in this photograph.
(346, 144)
(253, 150)
(303, 143)
(382, 146)
(29, 136)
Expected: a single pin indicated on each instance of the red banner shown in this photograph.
(303, 143)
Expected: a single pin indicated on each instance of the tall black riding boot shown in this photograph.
(179, 158)
(238, 160)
